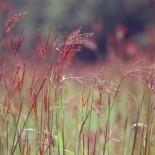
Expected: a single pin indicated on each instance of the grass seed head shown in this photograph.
(11, 22)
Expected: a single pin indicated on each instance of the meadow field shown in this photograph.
(50, 106)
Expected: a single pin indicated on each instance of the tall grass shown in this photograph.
(45, 110)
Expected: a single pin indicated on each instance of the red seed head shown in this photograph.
(11, 22)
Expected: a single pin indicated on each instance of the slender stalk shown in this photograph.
(20, 110)
(138, 115)
(125, 130)
(81, 129)
(62, 120)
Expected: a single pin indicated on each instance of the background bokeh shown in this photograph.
(127, 20)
